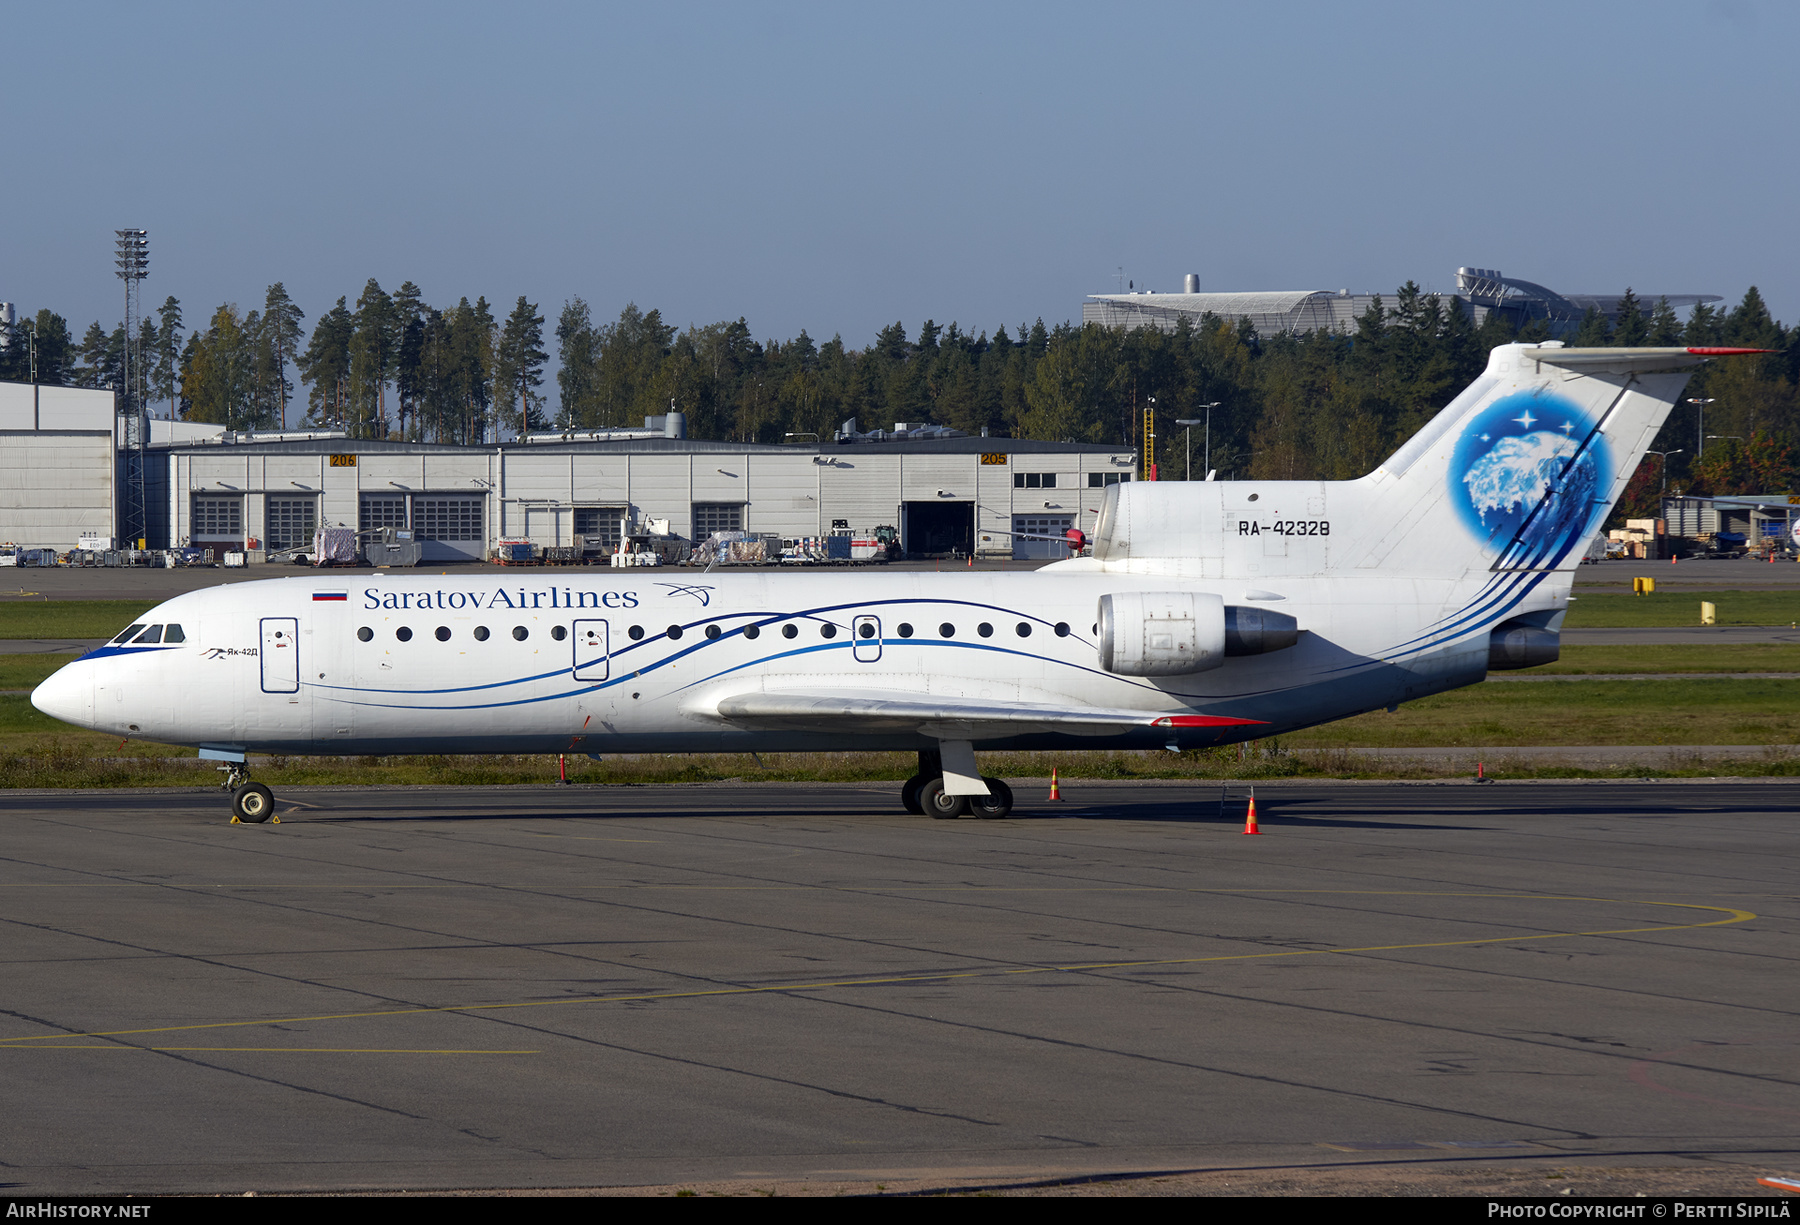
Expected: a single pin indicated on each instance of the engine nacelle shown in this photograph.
(1161, 633)
(1257, 631)
(1513, 645)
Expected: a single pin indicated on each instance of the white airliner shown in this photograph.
(1208, 613)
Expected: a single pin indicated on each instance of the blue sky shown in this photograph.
(836, 168)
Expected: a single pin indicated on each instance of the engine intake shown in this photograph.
(1161, 633)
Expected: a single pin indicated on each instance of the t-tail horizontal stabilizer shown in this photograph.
(1527, 462)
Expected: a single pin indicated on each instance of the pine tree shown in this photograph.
(1702, 326)
(1665, 326)
(166, 354)
(409, 352)
(1594, 331)
(281, 333)
(372, 346)
(1632, 327)
(519, 364)
(94, 370)
(218, 372)
(1750, 324)
(577, 355)
(326, 365)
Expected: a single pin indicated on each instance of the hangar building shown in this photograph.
(945, 495)
(57, 475)
(67, 471)
(1483, 291)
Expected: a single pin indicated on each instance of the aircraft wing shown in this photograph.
(875, 710)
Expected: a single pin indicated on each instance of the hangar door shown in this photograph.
(938, 529)
(1027, 529)
(450, 526)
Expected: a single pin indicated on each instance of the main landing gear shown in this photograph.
(924, 795)
(251, 803)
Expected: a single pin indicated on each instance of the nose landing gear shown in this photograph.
(251, 803)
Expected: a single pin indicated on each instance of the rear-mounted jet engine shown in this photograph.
(1173, 633)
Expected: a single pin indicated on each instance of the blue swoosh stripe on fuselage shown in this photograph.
(760, 618)
(110, 651)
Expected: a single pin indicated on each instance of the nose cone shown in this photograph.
(68, 695)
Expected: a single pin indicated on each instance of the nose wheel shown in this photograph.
(251, 803)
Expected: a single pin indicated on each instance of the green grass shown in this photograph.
(1680, 712)
(60, 763)
(22, 618)
(1698, 658)
(1612, 610)
(36, 751)
(26, 671)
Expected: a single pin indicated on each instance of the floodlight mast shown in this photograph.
(133, 260)
(132, 256)
(1191, 422)
(1700, 424)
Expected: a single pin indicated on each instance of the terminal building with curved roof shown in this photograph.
(1483, 291)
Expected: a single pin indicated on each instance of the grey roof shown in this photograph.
(647, 446)
(1271, 302)
(1758, 501)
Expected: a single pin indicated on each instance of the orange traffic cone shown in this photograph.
(1250, 818)
(1055, 791)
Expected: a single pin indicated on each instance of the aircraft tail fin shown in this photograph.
(1527, 462)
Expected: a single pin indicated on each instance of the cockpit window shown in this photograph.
(130, 633)
(153, 634)
(174, 634)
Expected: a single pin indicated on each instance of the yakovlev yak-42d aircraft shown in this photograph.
(1208, 613)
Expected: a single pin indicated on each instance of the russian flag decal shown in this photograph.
(330, 595)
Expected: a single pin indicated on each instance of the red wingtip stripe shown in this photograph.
(1202, 721)
(1719, 352)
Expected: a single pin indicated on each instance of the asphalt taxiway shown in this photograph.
(541, 987)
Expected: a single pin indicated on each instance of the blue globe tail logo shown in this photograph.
(1526, 478)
